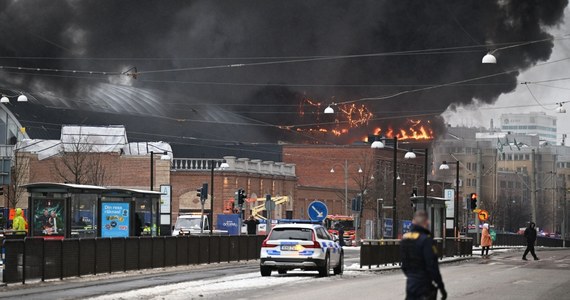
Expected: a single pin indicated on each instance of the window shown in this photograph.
(84, 216)
(503, 184)
(474, 182)
(304, 234)
(510, 184)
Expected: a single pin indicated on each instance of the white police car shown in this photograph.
(300, 246)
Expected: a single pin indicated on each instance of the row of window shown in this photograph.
(471, 182)
(507, 156)
(529, 127)
(510, 184)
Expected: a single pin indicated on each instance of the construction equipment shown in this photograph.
(256, 210)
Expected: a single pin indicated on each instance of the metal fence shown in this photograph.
(39, 259)
(504, 239)
(384, 252)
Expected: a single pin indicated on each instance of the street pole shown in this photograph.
(533, 187)
(151, 170)
(426, 161)
(346, 187)
(456, 210)
(394, 190)
(478, 192)
(212, 197)
(564, 223)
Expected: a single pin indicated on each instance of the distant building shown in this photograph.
(534, 123)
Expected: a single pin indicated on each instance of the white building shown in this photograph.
(534, 123)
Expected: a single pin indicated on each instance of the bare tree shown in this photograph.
(19, 176)
(79, 164)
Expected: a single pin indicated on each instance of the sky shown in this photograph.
(553, 92)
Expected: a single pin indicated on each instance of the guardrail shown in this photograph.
(39, 259)
(505, 239)
(384, 252)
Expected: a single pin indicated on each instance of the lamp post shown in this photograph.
(412, 155)
(377, 144)
(445, 166)
(223, 165)
(345, 168)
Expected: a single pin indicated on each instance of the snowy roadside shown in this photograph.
(211, 287)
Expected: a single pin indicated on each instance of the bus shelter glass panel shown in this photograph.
(84, 215)
(48, 214)
(146, 214)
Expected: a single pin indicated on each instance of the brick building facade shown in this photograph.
(368, 171)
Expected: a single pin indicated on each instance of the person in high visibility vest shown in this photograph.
(146, 229)
(19, 223)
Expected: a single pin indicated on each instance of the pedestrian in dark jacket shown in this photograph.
(341, 235)
(530, 234)
(419, 261)
(251, 225)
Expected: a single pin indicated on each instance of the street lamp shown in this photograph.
(445, 166)
(560, 109)
(223, 165)
(329, 110)
(378, 144)
(411, 155)
(489, 58)
(345, 168)
(21, 98)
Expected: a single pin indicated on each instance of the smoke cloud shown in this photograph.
(151, 35)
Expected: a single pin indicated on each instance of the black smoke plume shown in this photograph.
(116, 35)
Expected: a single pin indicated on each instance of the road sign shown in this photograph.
(317, 211)
(483, 215)
(269, 205)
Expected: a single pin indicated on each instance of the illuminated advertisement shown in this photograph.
(49, 217)
(115, 219)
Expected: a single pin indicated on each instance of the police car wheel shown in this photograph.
(265, 271)
(325, 269)
(282, 272)
(340, 267)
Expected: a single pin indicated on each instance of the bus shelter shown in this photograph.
(130, 212)
(436, 209)
(63, 210)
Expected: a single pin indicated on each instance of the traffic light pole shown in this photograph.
(212, 163)
(478, 192)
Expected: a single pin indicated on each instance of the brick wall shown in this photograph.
(316, 182)
(185, 184)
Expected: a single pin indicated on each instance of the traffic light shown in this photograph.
(202, 192)
(473, 201)
(240, 197)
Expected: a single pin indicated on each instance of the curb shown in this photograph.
(390, 268)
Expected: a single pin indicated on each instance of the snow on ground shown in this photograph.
(209, 287)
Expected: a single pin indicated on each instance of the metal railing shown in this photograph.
(505, 239)
(384, 252)
(39, 259)
(234, 165)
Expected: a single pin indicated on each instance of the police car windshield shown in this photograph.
(303, 234)
(187, 223)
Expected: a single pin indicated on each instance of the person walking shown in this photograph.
(420, 261)
(530, 234)
(486, 241)
(19, 223)
(341, 235)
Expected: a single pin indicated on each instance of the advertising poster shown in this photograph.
(49, 217)
(115, 219)
(229, 223)
(388, 232)
(406, 226)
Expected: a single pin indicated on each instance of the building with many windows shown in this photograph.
(534, 123)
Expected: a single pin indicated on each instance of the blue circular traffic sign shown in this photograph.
(317, 211)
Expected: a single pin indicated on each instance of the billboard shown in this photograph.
(388, 228)
(49, 217)
(406, 226)
(115, 219)
(229, 222)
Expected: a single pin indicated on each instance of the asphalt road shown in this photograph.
(504, 276)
